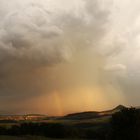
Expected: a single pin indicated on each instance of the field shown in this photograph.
(29, 138)
(76, 129)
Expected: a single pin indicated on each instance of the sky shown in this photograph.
(64, 56)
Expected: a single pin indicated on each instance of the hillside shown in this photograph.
(92, 114)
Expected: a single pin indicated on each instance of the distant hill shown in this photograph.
(92, 114)
(112, 111)
(119, 107)
(82, 115)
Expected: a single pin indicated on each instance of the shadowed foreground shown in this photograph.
(29, 138)
(121, 125)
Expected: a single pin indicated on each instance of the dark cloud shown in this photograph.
(35, 42)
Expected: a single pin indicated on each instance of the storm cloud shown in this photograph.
(53, 53)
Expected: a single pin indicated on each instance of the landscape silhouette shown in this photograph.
(120, 123)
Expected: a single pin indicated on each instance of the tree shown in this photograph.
(125, 125)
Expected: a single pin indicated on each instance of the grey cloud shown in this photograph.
(33, 37)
